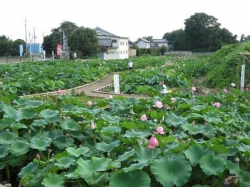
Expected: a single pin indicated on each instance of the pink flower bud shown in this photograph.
(193, 89)
(225, 90)
(153, 143)
(92, 125)
(59, 92)
(144, 117)
(159, 130)
(217, 104)
(38, 156)
(233, 84)
(89, 103)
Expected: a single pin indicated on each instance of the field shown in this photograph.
(193, 136)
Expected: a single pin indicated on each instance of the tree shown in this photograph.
(149, 38)
(227, 37)
(177, 39)
(51, 41)
(84, 41)
(163, 49)
(202, 31)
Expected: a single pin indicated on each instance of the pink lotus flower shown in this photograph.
(38, 156)
(92, 125)
(159, 130)
(59, 92)
(161, 83)
(193, 89)
(110, 97)
(153, 143)
(89, 103)
(225, 90)
(217, 104)
(206, 93)
(144, 117)
(233, 84)
(158, 104)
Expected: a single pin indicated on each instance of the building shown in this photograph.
(143, 43)
(113, 46)
(157, 43)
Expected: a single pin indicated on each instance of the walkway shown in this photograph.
(88, 89)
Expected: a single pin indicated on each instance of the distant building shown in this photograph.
(157, 43)
(143, 43)
(34, 47)
(114, 47)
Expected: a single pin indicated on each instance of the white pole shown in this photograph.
(242, 79)
(116, 84)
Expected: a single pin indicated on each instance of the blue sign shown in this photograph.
(21, 49)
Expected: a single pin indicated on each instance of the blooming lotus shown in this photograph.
(159, 130)
(233, 84)
(225, 90)
(193, 89)
(59, 92)
(153, 143)
(217, 104)
(158, 104)
(92, 125)
(89, 103)
(144, 117)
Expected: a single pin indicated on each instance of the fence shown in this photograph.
(187, 53)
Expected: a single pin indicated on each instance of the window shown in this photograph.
(120, 43)
(114, 41)
(120, 52)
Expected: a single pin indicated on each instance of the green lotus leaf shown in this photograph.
(126, 155)
(33, 103)
(244, 178)
(144, 154)
(212, 117)
(2, 165)
(70, 125)
(212, 164)
(89, 169)
(157, 115)
(173, 120)
(16, 160)
(30, 168)
(65, 162)
(50, 115)
(243, 147)
(198, 185)
(28, 113)
(233, 168)
(11, 113)
(164, 140)
(174, 171)
(53, 179)
(38, 123)
(198, 108)
(136, 134)
(135, 166)
(133, 178)
(193, 129)
(16, 125)
(85, 112)
(19, 147)
(207, 99)
(111, 130)
(131, 125)
(195, 152)
(110, 119)
(78, 135)
(77, 152)
(63, 141)
(41, 143)
(4, 151)
(7, 137)
(107, 147)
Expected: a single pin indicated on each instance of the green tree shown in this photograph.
(84, 41)
(227, 37)
(15, 47)
(149, 38)
(5, 45)
(202, 31)
(177, 39)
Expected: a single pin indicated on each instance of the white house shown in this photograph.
(115, 47)
(143, 43)
(157, 43)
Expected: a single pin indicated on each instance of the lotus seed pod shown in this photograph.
(237, 160)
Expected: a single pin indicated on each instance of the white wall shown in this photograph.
(123, 48)
(142, 44)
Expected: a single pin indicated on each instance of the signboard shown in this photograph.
(21, 49)
(242, 79)
(58, 50)
(116, 84)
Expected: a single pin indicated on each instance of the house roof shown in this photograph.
(160, 41)
(101, 32)
(143, 39)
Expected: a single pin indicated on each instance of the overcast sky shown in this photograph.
(127, 18)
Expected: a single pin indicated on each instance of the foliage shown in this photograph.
(84, 41)
(226, 65)
(177, 39)
(9, 46)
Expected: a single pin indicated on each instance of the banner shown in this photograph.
(58, 50)
(21, 49)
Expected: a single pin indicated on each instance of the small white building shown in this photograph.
(115, 47)
(143, 43)
(157, 43)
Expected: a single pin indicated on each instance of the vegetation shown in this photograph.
(9, 47)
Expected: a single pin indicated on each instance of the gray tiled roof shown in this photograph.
(160, 41)
(101, 32)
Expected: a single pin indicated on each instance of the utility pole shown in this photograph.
(25, 35)
(34, 41)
